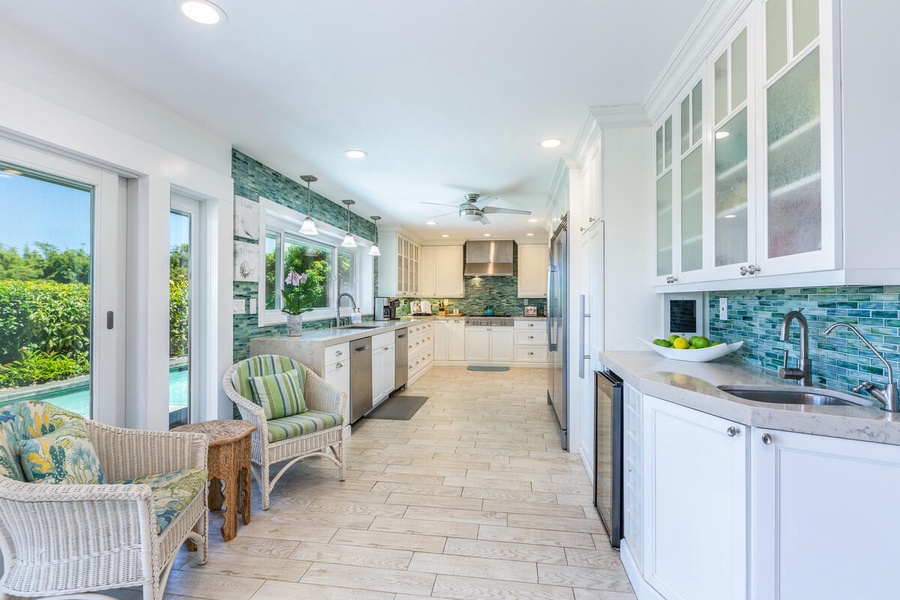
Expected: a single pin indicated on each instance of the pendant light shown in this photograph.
(308, 227)
(348, 242)
(374, 251)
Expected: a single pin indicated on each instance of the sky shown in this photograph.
(38, 211)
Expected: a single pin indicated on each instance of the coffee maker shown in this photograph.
(386, 308)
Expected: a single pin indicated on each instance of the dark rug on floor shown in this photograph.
(487, 368)
(398, 408)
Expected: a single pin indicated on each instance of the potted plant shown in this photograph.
(296, 301)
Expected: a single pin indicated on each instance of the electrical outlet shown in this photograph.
(238, 306)
(526, 301)
(723, 309)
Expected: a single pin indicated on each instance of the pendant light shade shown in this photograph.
(374, 251)
(309, 226)
(348, 242)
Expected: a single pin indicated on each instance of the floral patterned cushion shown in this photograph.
(9, 444)
(172, 492)
(64, 455)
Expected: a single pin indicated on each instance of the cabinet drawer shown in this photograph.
(531, 338)
(531, 325)
(383, 339)
(531, 354)
(336, 353)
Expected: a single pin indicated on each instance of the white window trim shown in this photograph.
(276, 217)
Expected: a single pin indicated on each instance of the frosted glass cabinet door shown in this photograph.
(664, 224)
(692, 211)
(794, 153)
(731, 222)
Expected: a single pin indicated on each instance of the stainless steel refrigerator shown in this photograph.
(558, 329)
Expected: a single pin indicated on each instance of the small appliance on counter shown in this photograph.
(386, 308)
(531, 311)
(489, 310)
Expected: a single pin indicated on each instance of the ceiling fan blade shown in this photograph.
(452, 212)
(440, 204)
(484, 220)
(508, 211)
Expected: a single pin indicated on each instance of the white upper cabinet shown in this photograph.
(532, 275)
(441, 272)
(776, 141)
(397, 249)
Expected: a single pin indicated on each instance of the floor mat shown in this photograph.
(487, 368)
(398, 408)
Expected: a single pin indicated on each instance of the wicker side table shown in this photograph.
(228, 463)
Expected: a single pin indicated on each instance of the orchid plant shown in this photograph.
(296, 299)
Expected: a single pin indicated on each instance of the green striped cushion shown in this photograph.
(302, 424)
(255, 366)
(280, 394)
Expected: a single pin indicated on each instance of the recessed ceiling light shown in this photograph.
(722, 135)
(532, 220)
(445, 235)
(355, 154)
(430, 223)
(530, 234)
(203, 12)
(487, 235)
(551, 143)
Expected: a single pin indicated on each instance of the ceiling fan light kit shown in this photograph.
(469, 211)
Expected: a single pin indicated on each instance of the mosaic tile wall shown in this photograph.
(253, 179)
(839, 360)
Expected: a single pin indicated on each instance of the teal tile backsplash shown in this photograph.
(839, 360)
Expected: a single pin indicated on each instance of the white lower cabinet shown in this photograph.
(632, 473)
(490, 344)
(824, 525)
(337, 366)
(383, 360)
(450, 339)
(695, 514)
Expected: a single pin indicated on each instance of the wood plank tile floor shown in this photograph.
(471, 498)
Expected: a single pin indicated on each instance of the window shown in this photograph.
(330, 269)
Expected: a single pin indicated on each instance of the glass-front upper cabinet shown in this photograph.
(691, 155)
(798, 209)
(732, 220)
(664, 209)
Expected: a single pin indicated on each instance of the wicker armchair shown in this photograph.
(68, 540)
(319, 396)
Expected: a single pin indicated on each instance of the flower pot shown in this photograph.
(295, 325)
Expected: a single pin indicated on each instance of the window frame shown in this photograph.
(285, 222)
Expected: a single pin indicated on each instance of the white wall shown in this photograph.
(49, 99)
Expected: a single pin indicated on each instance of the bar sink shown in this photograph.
(793, 395)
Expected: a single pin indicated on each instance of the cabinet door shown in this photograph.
(441, 340)
(665, 259)
(377, 376)
(478, 343)
(456, 339)
(695, 469)
(427, 272)
(800, 483)
(502, 344)
(448, 265)
(691, 186)
(388, 364)
(532, 271)
(798, 211)
(632, 459)
(338, 375)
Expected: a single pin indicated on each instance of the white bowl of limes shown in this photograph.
(694, 349)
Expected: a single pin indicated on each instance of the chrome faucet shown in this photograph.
(803, 372)
(887, 394)
(338, 323)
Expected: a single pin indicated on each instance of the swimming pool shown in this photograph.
(78, 398)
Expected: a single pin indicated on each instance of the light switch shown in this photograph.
(723, 309)
(252, 306)
(238, 307)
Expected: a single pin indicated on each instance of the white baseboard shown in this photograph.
(642, 589)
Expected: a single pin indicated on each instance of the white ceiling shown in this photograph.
(446, 97)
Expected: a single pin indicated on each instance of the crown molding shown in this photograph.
(706, 32)
(604, 117)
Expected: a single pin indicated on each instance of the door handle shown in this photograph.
(581, 338)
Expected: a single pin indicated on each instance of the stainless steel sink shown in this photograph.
(360, 327)
(793, 395)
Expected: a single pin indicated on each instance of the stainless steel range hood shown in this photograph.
(489, 258)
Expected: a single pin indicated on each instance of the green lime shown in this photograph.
(716, 343)
(700, 342)
(692, 339)
(662, 343)
(673, 337)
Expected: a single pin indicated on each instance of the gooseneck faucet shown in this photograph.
(803, 372)
(887, 394)
(338, 324)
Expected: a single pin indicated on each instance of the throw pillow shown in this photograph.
(65, 455)
(280, 394)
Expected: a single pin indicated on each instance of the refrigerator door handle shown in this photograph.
(582, 338)
(551, 347)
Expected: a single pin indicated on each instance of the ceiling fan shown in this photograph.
(469, 211)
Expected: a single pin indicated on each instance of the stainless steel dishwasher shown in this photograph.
(401, 358)
(360, 378)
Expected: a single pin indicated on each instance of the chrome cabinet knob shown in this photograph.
(766, 439)
(732, 431)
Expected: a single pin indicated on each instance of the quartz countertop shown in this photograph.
(694, 385)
